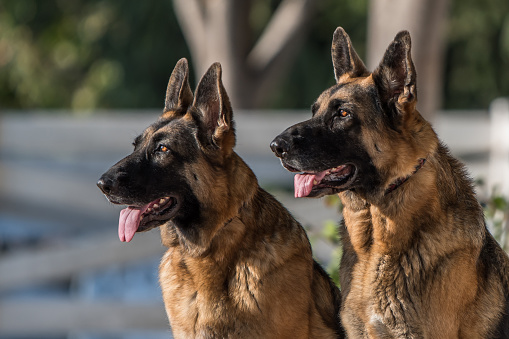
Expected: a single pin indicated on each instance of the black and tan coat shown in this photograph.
(418, 260)
(238, 265)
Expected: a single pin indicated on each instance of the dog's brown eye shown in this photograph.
(343, 113)
(162, 148)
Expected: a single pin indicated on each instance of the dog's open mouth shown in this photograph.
(139, 219)
(333, 180)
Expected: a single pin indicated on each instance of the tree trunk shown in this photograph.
(426, 21)
(218, 30)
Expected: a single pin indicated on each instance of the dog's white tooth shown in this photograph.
(155, 206)
(315, 182)
(162, 201)
(141, 217)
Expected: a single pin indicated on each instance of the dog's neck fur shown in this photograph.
(239, 190)
(389, 218)
(400, 181)
(389, 222)
(405, 237)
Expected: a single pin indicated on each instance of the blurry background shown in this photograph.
(80, 79)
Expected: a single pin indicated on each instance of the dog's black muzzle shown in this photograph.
(293, 136)
(111, 181)
(105, 185)
(118, 184)
(279, 146)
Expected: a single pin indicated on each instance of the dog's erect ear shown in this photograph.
(395, 77)
(178, 93)
(213, 104)
(344, 57)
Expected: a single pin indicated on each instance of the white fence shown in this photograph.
(499, 146)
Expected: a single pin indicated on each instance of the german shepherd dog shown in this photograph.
(238, 265)
(418, 261)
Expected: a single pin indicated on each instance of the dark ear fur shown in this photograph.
(213, 105)
(344, 57)
(178, 93)
(395, 77)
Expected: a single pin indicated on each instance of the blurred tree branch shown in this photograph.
(426, 20)
(219, 30)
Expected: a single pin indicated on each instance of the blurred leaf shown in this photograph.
(333, 201)
(477, 65)
(330, 231)
(87, 54)
(500, 203)
(333, 266)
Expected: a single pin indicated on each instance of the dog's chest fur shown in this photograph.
(383, 306)
(206, 291)
(242, 281)
(396, 272)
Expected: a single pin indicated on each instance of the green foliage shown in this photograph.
(330, 234)
(87, 54)
(477, 61)
(119, 54)
(496, 211)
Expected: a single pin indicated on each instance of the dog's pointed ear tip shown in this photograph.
(403, 36)
(214, 70)
(339, 33)
(216, 66)
(339, 30)
(183, 62)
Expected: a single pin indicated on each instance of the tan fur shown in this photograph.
(238, 265)
(249, 273)
(412, 262)
(418, 260)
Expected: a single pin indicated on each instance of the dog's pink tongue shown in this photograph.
(129, 222)
(303, 183)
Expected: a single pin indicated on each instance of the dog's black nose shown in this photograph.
(279, 146)
(105, 185)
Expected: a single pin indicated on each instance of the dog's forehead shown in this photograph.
(171, 126)
(352, 91)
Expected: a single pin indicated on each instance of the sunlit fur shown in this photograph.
(238, 265)
(418, 262)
